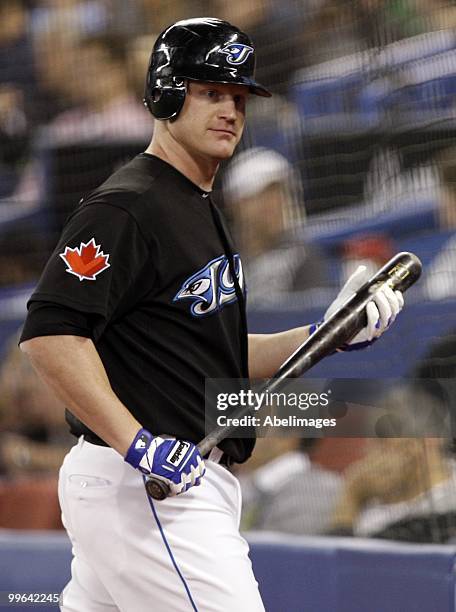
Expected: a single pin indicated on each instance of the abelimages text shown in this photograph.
(274, 421)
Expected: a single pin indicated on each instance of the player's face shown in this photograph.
(212, 119)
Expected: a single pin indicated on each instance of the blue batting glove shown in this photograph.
(177, 462)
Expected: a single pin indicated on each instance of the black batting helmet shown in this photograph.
(204, 49)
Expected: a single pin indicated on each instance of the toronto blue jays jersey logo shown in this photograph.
(237, 53)
(212, 287)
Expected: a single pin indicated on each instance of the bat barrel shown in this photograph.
(401, 272)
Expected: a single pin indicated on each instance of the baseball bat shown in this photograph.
(402, 271)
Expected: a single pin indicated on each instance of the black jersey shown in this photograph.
(146, 255)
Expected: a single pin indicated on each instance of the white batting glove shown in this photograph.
(176, 462)
(381, 311)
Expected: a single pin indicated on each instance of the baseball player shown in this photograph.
(142, 299)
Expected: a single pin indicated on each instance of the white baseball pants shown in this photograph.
(134, 554)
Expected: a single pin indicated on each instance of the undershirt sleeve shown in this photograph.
(48, 319)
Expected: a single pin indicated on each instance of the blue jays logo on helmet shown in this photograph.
(212, 287)
(236, 53)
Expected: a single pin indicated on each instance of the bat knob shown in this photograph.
(157, 489)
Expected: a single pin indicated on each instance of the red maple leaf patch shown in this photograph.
(85, 261)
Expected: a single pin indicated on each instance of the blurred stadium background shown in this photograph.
(353, 159)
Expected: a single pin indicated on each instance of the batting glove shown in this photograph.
(381, 311)
(176, 462)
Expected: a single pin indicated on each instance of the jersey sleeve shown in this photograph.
(45, 319)
(98, 259)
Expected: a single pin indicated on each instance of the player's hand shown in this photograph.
(177, 462)
(381, 311)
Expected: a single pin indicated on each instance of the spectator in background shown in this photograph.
(429, 15)
(403, 489)
(23, 253)
(398, 491)
(263, 199)
(59, 25)
(291, 493)
(435, 378)
(33, 435)
(158, 15)
(370, 250)
(33, 442)
(73, 17)
(440, 280)
(277, 37)
(53, 54)
(19, 89)
(435, 373)
(339, 28)
(106, 109)
(332, 32)
(382, 22)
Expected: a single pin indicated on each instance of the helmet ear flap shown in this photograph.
(166, 102)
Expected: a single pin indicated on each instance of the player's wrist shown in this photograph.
(139, 447)
(313, 328)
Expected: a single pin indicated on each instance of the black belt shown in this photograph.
(225, 459)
